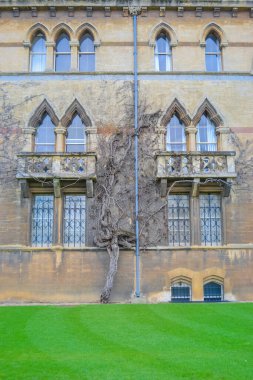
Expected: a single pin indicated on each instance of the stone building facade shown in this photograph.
(65, 65)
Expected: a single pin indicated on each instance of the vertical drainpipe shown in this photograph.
(136, 158)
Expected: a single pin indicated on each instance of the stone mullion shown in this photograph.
(191, 132)
(74, 55)
(60, 132)
(50, 56)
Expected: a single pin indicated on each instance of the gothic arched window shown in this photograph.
(76, 137)
(206, 135)
(180, 292)
(213, 292)
(38, 53)
(162, 53)
(175, 137)
(62, 53)
(45, 136)
(87, 53)
(213, 53)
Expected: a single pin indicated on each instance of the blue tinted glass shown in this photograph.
(87, 44)
(45, 136)
(213, 62)
(62, 44)
(162, 44)
(39, 44)
(87, 62)
(212, 44)
(162, 63)
(76, 129)
(38, 62)
(62, 62)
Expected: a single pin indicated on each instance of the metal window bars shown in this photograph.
(42, 220)
(180, 292)
(178, 220)
(210, 219)
(74, 220)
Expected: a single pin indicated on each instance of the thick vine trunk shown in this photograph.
(113, 251)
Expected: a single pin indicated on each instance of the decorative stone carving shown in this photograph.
(39, 165)
(73, 165)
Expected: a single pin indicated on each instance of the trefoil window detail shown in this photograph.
(178, 220)
(162, 53)
(213, 53)
(175, 137)
(42, 220)
(74, 220)
(210, 219)
(38, 53)
(62, 53)
(206, 135)
(87, 53)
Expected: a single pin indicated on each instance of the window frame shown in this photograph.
(181, 284)
(208, 299)
(87, 53)
(209, 144)
(62, 53)
(218, 54)
(40, 192)
(189, 220)
(32, 54)
(85, 134)
(183, 144)
(157, 54)
(35, 143)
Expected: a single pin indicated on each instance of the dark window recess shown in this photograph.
(210, 219)
(212, 292)
(178, 220)
(180, 292)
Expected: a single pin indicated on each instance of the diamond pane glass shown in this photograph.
(178, 220)
(42, 220)
(210, 219)
(74, 220)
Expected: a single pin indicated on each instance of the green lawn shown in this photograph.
(165, 341)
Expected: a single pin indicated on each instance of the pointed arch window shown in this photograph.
(76, 136)
(206, 135)
(62, 53)
(45, 136)
(175, 137)
(87, 53)
(213, 53)
(162, 52)
(38, 53)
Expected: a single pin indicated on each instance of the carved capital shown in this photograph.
(191, 130)
(60, 130)
(29, 131)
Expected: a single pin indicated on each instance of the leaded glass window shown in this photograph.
(45, 136)
(42, 220)
(74, 220)
(87, 53)
(210, 219)
(179, 220)
(213, 53)
(175, 137)
(62, 53)
(162, 53)
(76, 137)
(38, 53)
(212, 292)
(180, 292)
(206, 135)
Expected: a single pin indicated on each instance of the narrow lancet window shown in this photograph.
(45, 136)
(87, 53)
(76, 136)
(38, 53)
(175, 137)
(62, 53)
(213, 53)
(162, 53)
(206, 135)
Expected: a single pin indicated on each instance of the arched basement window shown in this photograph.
(45, 136)
(162, 53)
(180, 292)
(213, 53)
(206, 135)
(87, 53)
(76, 136)
(213, 292)
(175, 137)
(38, 53)
(62, 53)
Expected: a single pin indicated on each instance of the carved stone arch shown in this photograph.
(75, 107)
(163, 26)
(184, 279)
(211, 111)
(217, 30)
(62, 27)
(87, 27)
(176, 108)
(37, 116)
(213, 278)
(33, 30)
